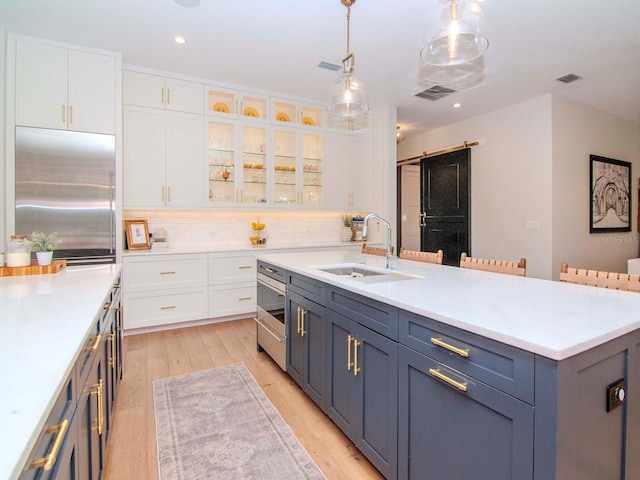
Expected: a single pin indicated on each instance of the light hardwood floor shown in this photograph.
(131, 454)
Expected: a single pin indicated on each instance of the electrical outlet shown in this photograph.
(616, 393)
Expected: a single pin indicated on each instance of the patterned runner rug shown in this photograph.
(218, 424)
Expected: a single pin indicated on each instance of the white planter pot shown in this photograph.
(44, 258)
(347, 234)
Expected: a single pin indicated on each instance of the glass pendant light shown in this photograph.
(348, 99)
(456, 37)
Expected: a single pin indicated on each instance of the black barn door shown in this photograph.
(445, 205)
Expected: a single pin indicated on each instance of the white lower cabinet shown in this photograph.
(232, 284)
(165, 289)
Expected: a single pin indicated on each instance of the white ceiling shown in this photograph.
(276, 45)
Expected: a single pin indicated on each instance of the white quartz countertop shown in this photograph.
(44, 320)
(553, 319)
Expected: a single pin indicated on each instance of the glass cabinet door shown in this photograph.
(312, 168)
(221, 101)
(221, 156)
(254, 165)
(285, 159)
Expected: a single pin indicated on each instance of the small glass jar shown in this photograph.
(18, 251)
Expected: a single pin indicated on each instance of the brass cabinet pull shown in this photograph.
(168, 272)
(270, 270)
(162, 194)
(244, 267)
(116, 286)
(114, 350)
(49, 460)
(168, 95)
(302, 314)
(462, 386)
(162, 95)
(94, 347)
(121, 312)
(98, 390)
(64, 114)
(70, 113)
(356, 368)
(463, 352)
(245, 298)
(108, 305)
(349, 364)
(170, 307)
(298, 319)
(168, 194)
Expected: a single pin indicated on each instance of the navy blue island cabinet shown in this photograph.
(424, 400)
(306, 337)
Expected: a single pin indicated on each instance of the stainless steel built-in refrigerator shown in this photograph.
(65, 184)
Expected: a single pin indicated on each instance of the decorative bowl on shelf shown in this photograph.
(220, 107)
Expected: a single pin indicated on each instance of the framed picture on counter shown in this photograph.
(610, 195)
(137, 232)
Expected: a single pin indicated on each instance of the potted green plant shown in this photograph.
(347, 233)
(44, 245)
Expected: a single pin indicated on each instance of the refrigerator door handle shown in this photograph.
(111, 213)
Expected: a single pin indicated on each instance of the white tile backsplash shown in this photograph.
(223, 229)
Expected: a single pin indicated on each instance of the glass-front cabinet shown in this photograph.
(312, 169)
(237, 163)
(286, 111)
(254, 169)
(297, 167)
(233, 103)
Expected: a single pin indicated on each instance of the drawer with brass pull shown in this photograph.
(501, 366)
(164, 271)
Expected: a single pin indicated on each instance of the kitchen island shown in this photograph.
(46, 321)
(519, 375)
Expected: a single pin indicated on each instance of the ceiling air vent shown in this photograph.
(568, 78)
(434, 93)
(329, 66)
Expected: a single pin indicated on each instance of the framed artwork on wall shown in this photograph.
(137, 232)
(610, 195)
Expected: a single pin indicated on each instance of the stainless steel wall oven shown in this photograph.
(270, 317)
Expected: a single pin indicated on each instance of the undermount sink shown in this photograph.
(365, 274)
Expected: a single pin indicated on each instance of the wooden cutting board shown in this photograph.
(33, 269)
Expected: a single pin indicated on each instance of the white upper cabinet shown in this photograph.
(65, 88)
(164, 159)
(155, 91)
(348, 168)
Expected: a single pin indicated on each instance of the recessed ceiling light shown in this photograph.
(456, 105)
(180, 40)
(188, 3)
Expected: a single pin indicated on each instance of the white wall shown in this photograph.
(579, 131)
(3, 230)
(510, 180)
(533, 167)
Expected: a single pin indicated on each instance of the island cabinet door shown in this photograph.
(447, 432)
(362, 392)
(307, 363)
(90, 421)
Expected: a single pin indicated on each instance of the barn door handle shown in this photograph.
(423, 219)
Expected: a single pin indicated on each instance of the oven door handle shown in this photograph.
(266, 327)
